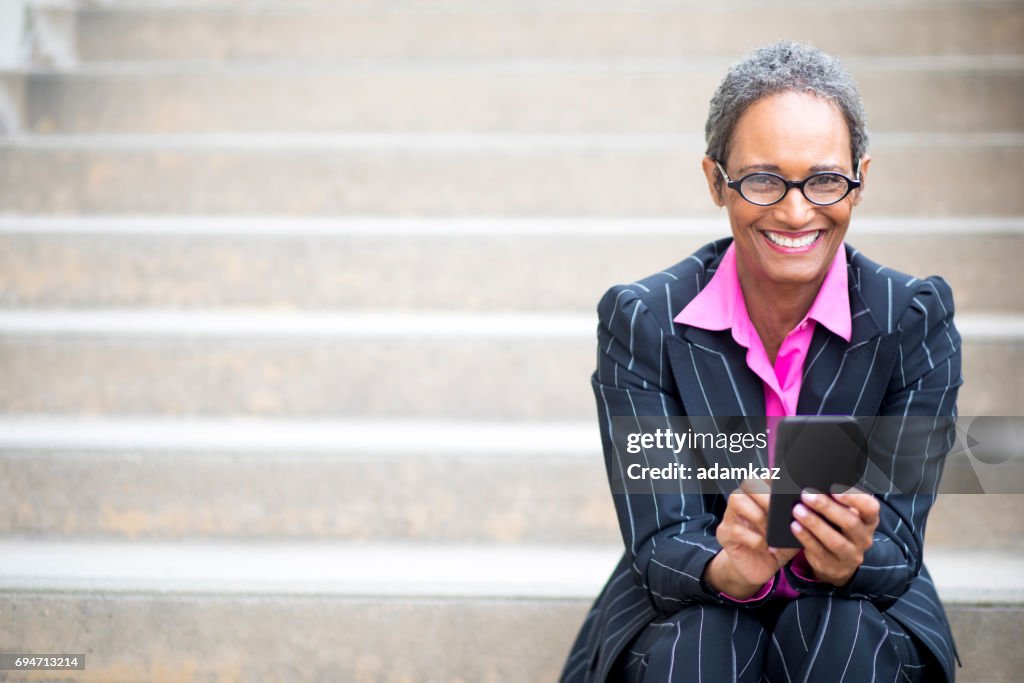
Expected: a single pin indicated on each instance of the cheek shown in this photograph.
(743, 217)
(843, 211)
(840, 217)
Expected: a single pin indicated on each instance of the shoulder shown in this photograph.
(920, 311)
(635, 319)
(658, 297)
(897, 300)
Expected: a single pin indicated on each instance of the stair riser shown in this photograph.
(466, 273)
(423, 497)
(207, 639)
(689, 30)
(213, 640)
(527, 379)
(480, 100)
(650, 180)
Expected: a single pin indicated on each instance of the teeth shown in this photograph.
(804, 241)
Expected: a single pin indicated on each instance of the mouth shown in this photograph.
(793, 242)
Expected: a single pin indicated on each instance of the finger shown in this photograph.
(738, 535)
(755, 486)
(784, 555)
(733, 514)
(750, 511)
(834, 542)
(817, 556)
(865, 504)
(758, 491)
(846, 518)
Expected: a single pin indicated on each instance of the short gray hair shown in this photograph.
(780, 67)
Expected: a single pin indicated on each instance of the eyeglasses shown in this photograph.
(765, 189)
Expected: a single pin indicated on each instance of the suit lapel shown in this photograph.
(711, 372)
(849, 379)
(840, 378)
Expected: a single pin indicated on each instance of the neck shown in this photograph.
(775, 309)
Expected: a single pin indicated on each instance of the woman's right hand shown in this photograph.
(746, 562)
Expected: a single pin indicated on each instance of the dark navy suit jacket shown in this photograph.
(903, 360)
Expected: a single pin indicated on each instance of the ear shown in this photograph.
(865, 161)
(714, 178)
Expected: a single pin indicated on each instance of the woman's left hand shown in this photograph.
(833, 554)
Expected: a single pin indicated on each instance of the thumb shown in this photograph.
(783, 555)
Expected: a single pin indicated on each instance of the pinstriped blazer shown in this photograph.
(903, 359)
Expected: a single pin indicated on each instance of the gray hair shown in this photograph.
(780, 67)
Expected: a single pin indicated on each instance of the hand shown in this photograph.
(835, 555)
(746, 562)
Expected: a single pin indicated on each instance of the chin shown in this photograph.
(802, 277)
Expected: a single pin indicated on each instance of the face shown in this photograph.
(794, 135)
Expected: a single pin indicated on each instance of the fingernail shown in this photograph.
(809, 498)
(795, 527)
(800, 511)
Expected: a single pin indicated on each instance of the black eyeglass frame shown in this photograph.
(851, 184)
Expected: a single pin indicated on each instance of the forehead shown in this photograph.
(791, 130)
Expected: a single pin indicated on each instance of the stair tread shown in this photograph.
(377, 226)
(393, 570)
(1003, 326)
(403, 436)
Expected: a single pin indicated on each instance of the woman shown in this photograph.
(782, 318)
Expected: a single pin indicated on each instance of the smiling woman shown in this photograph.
(782, 318)
(784, 243)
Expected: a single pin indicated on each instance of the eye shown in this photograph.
(826, 181)
(760, 182)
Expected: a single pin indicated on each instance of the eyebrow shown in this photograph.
(774, 168)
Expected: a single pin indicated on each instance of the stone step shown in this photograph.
(224, 31)
(357, 480)
(919, 175)
(373, 612)
(396, 480)
(465, 264)
(427, 365)
(12, 101)
(618, 95)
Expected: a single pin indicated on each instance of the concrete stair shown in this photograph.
(379, 264)
(561, 174)
(432, 481)
(324, 612)
(296, 313)
(641, 95)
(469, 29)
(186, 363)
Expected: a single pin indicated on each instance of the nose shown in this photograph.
(794, 209)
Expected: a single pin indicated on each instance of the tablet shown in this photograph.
(812, 452)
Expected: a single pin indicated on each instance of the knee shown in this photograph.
(707, 617)
(715, 636)
(807, 615)
(833, 608)
(717, 623)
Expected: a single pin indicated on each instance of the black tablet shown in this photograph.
(813, 452)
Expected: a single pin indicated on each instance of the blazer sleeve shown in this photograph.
(924, 384)
(669, 537)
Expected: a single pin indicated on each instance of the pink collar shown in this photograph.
(716, 306)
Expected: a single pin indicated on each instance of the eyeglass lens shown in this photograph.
(825, 188)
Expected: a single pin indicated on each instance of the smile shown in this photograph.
(781, 240)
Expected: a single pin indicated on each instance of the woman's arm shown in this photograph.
(914, 437)
(670, 537)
